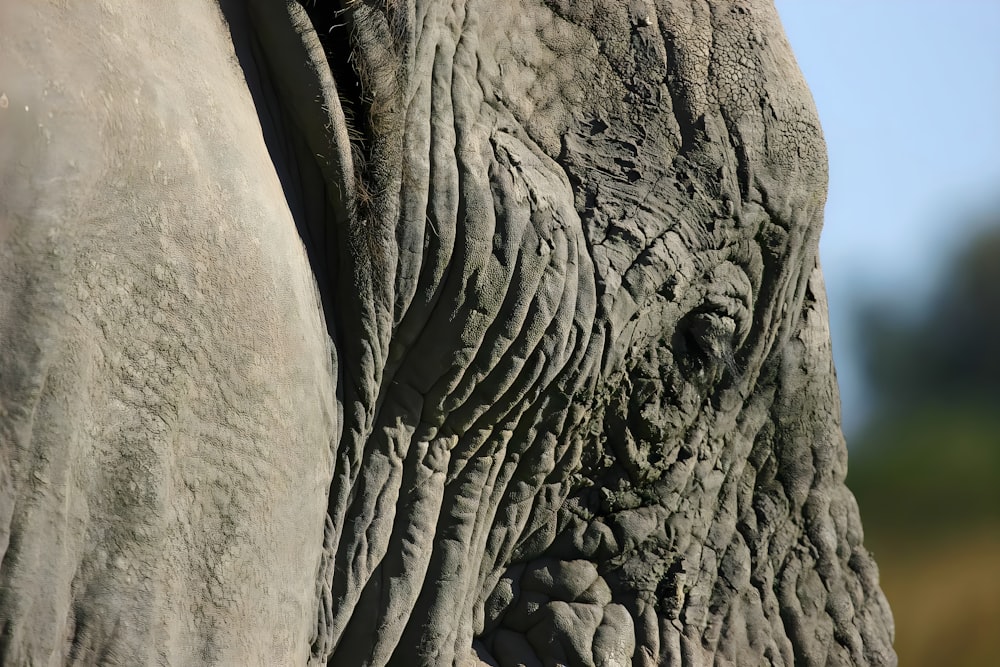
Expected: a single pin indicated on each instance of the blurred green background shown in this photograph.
(925, 467)
(908, 92)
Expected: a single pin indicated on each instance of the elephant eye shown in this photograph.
(712, 332)
(707, 341)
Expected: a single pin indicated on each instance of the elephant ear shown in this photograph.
(304, 124)
(167, 398)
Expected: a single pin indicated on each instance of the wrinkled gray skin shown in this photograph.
(500, 340)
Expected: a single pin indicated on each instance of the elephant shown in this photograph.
(411, 332)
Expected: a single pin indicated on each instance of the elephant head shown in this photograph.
(420, 333)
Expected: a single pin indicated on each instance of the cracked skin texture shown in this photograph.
(464, 333)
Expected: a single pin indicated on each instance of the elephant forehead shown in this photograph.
(684, 129)
(649, 67)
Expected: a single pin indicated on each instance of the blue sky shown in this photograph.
(908, 94)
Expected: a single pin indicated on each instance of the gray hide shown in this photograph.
(418, 333)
